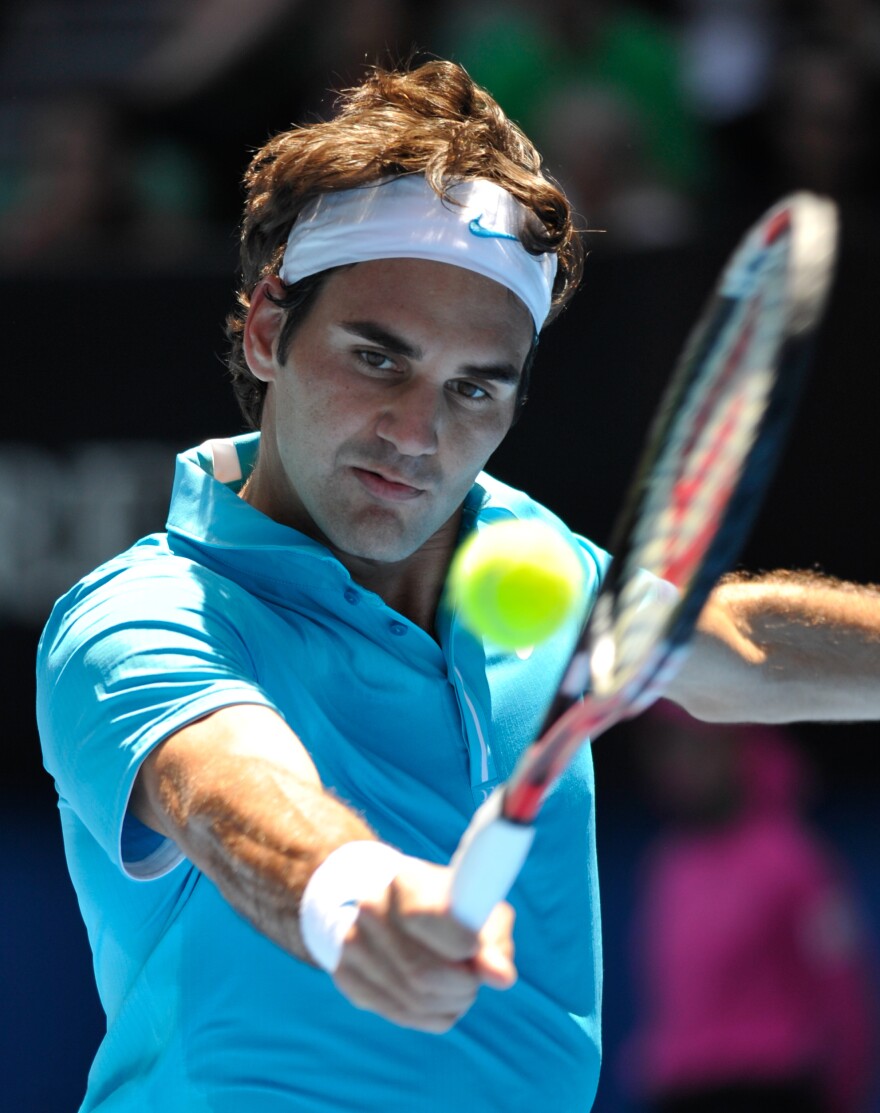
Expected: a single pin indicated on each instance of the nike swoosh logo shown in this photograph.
(476, 228)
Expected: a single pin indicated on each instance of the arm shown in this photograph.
(784, 647)
(241, 797)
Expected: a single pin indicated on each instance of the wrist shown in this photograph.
(354, 872)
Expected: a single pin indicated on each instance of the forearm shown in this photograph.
(785, 647)
(240, 796)
(257, 823)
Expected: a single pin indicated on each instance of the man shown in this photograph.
(268, 730)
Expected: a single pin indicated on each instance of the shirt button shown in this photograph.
(398, 628)
(351, 596)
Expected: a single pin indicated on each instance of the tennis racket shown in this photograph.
(709, 455)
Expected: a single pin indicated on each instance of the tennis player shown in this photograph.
(266, 730)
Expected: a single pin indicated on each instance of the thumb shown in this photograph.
(495, 968)
(493, 962)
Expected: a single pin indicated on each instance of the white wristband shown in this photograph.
(353, 872)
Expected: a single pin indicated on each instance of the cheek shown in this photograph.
(480, 428)
(485, 436)
(468, 450)
(313, 407)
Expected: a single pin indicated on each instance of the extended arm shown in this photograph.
(241, 797)
(784, 647)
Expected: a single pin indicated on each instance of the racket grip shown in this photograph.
(487, 861)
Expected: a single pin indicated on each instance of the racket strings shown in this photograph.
(709, 456)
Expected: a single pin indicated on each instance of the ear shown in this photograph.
(262, 328)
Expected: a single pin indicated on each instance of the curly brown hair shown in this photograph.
(433, 120)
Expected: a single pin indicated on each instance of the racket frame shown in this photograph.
(790, 253)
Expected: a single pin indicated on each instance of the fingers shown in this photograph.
(409, 960)
(412, 993)
(494, 959)
(418, 906)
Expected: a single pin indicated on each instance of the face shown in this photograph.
(396, 389)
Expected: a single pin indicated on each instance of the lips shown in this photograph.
(385, 488)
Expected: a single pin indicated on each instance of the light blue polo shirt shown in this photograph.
(203, 1012)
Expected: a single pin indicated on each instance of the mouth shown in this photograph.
(384, 487)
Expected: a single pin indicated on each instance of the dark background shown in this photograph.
(114, 363)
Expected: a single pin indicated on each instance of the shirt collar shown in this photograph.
(206, 506)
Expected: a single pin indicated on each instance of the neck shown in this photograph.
(412, 586)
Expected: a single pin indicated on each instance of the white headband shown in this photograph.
(403, 218)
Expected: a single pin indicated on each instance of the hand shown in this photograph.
(407, 958)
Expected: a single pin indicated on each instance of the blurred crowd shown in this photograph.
(756, 980)
(125, 125)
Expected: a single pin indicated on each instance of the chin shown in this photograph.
(383, 546)
(379, 553)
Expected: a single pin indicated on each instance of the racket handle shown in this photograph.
(487, 861)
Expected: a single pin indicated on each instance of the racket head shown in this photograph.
(713, 445)
(709, 456)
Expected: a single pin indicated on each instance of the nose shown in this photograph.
(411, 420)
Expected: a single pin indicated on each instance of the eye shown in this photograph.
(378, 361)
(471, 390)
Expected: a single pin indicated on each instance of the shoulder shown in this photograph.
(147, 585)
(491, 500)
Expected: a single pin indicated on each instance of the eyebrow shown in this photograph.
(503, 372)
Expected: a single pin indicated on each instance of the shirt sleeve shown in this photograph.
(647, 588)
(129, 657)
(596, 563)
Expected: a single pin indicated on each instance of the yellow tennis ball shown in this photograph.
(515, 582)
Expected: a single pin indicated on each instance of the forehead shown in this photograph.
(422, 297)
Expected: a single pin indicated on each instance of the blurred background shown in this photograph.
(125, 126)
